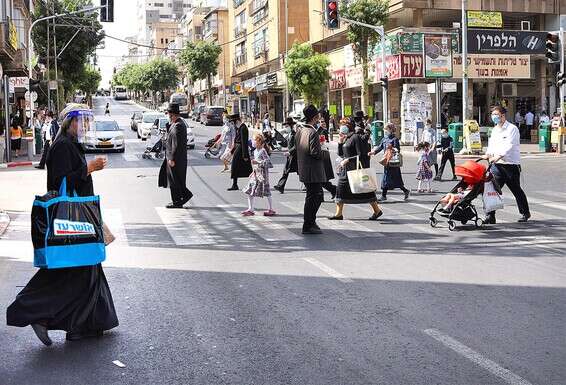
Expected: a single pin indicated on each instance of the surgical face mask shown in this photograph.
(496, 119)
(445, 135)
(386, 133)
(344, 130)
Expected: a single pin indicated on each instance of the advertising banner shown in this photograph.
(337, 80)
(393, 67)
(410, 42)
(495, 66)
(501, 41)
(412, 65)
(485, 19)
(438, 56)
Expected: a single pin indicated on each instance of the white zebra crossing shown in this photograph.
(183, 228)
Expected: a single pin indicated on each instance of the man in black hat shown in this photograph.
(241, 163)
(291, 164)
(361, 128)
(310, 168)
(174, 169)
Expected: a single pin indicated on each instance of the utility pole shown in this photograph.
(56, 109)
(48, 60)
(560, 147)
(464, 61)
(286, 103)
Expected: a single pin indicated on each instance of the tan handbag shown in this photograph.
(108, 236)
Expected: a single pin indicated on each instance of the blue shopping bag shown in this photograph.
(67, 231)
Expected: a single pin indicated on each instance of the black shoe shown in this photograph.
(185, 199)
(41, 333)
(382, 199)
(336, 218)
(333, 196)
(316, 226)
(279, 188)
(312, 230)
(490, 220)
(454, 177)
(233, 188)
(375, 217)
(75, 336)
(40, 167)
(173, 205)
(524, 218)
(437, 178)
(407, 195)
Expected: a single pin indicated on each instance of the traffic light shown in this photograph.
(107, 12)
(332, 21)
(560, 79)
(384, 81)
(34, 84)
(552, 48)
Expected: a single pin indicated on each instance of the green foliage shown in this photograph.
(90, 80)
(156, 75)
(307, 72)
(200, 59)
(81, 48)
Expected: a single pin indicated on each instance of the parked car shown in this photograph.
(148, 119)
(136, 119)
(197, 110)
(212, 115)
(106, 136)
(190, 135)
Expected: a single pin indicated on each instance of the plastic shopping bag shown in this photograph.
(67, 231)
(362, 180)
(492, 200)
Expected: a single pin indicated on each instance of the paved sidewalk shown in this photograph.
(4, 222)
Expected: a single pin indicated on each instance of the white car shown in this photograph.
(147, 122)
(107, 135)
(190, 135)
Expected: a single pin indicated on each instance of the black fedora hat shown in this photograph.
(359, 114)
(233, 117)
(310, 112)
(174, 109)
(289, 121)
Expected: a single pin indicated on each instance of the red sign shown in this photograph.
(337, 79)
(393, 67)
(412, 65)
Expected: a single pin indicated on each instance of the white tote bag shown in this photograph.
(362, 180)
(492, 200)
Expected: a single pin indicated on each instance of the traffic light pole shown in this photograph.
(560, 147)
(381, 31)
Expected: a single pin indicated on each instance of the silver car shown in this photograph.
(106, 136)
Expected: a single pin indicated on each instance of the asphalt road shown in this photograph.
(205, 296)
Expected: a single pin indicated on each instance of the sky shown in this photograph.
(124, 25)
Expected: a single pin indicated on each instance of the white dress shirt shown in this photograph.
(529, 118)
(505, 142)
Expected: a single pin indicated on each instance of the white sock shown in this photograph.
(419, 185)
(270, 202)
(250, 203)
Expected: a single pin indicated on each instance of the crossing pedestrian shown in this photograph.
(424, 168)
(291, 162)
(310, 168)
(504, 154)
(226, 142)
(429, 136)
(173, 171)
(49, 131)
(353, 147)
(241, 164)
(258, 183)
(16, 134)
(107, 110)
(447, 150)
(78, 299)
(392, 177)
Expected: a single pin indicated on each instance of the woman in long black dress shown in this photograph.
(353, 146)
(392, 177)
(241, 163)
(78, 299)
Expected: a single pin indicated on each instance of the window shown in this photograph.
(240, 24)
(260, 15)
(166, 41)
(158, 4)
(237, 3)
(240, 53)
(161, 40)
(260, 42)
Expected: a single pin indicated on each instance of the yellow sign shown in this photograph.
(13, 37)
(347, 110)
(332, 109)
(483, 19)
(494, 66)
(554, 137)
(472, 136)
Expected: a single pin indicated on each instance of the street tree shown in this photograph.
(364, 39)
(307, 72)
(201, 62)
(82, 46)
(89, 81)
(158, 75)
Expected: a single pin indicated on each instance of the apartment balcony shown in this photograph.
(257, 5)
(240, 31)
(260, 15)
(240, 60)
(261, 50)
(18, 66)
(210, 33)
(23, 5)
(7, 47)
(238, 3)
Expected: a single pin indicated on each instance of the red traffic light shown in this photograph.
(332, 6)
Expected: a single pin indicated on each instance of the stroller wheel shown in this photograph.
(479, 222)
(464, 222)
(207, 155)
(433, 222)
(451, 225)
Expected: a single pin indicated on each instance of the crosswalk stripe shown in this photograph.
(183, 228)
(347, 228)
(113, 219)
(130, 157)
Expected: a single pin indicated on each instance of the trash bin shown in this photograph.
(544, 130)
(472, 136)
(456, 132)
(38, 140)
(376, 132)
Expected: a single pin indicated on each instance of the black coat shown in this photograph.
(291, 164)
(309, 155)
(66, 158)
(241, 162)
(175, 149)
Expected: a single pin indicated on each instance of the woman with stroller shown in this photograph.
(392, 177)
(241, 165)
(226, 142)
(353, 147)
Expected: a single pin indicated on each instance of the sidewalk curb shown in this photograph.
(4, 222)
(18, 164)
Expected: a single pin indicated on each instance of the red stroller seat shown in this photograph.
(471, 172)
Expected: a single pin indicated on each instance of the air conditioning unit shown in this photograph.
(525, 25)
(508, 89)
(198, 37)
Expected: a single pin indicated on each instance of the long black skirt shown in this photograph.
(75, 299)
(345, 195)
(392, 178)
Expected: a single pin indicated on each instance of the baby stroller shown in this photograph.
(157, 148)
(211, 142)
(214, 151)
(474, 175)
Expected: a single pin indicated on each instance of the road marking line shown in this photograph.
(328, 270)
(183, 228)
(130, 157)
(494, 368)
(347, 228)
(115, 222)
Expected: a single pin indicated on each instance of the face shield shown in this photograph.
(84, 122)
